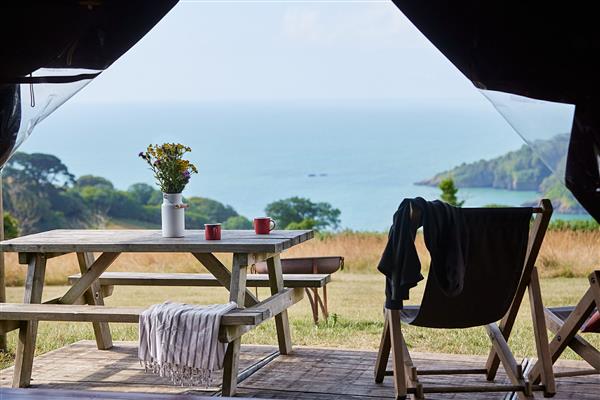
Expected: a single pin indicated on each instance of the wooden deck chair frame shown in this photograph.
(566, 331)
(406, 375)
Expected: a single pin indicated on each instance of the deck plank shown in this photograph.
(83, 367)
(310, 373)
(62, 394)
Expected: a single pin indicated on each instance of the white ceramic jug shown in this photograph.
(173, 215)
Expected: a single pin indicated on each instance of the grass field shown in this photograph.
(356, 322)
(356, 295)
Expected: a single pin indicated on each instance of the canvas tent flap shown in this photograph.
(542, 51)
(72, 33)
(51, 49)
(582, 175)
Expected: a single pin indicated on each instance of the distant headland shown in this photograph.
(521, 169)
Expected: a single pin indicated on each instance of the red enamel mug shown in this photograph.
(263, 225)
(212, 231)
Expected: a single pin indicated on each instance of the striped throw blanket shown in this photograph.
(180, 341)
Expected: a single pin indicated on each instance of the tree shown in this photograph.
(92, 180)
(238, 222)
(42, 169)
(449, 192)
(212, 209)
(34, 195)
(142, 192)
(298, 209)
(307, 223)
(11, 226)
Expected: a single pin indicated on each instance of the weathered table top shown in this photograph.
(141, 240)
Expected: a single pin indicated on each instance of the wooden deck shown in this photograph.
(320, 374)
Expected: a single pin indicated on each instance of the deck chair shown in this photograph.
(309, 265)
(566, 322)
(501, 291)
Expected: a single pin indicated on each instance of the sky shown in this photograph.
(284, 51)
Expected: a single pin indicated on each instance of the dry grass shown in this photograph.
(564, 254)
(569, 253)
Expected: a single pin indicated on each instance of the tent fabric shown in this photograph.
(544, 51)
(10, 119)
(71, 33)
(52, 49)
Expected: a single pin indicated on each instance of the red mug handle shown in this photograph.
(272, 227)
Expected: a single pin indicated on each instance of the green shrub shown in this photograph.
(11, 226)
(574, 225)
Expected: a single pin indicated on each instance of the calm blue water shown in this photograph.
(362, 158)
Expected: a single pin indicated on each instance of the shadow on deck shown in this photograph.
(311, 373)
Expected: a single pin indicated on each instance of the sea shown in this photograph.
(362, 157)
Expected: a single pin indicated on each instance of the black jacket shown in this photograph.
(446, 239)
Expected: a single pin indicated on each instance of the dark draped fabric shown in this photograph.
(446, 239)
(547, 51)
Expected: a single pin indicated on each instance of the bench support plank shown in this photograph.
(93, 296)
(274, 305)
(34, 284)
(91, 275)
(223, 275)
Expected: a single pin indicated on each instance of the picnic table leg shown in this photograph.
(34, 285)
(93, 296)
(282, 323)
(237, 293)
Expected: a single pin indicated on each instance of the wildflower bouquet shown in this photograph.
(171, 171)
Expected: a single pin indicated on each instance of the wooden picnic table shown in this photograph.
(247, 248)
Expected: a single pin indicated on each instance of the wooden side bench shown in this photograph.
(85, 313)
(311, 266)
(108, 279)
(309, 282)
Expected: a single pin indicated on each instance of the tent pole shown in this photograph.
(3, 347)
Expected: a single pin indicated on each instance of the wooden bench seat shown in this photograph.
(183, 279)
(233, 324)
(85, 313)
